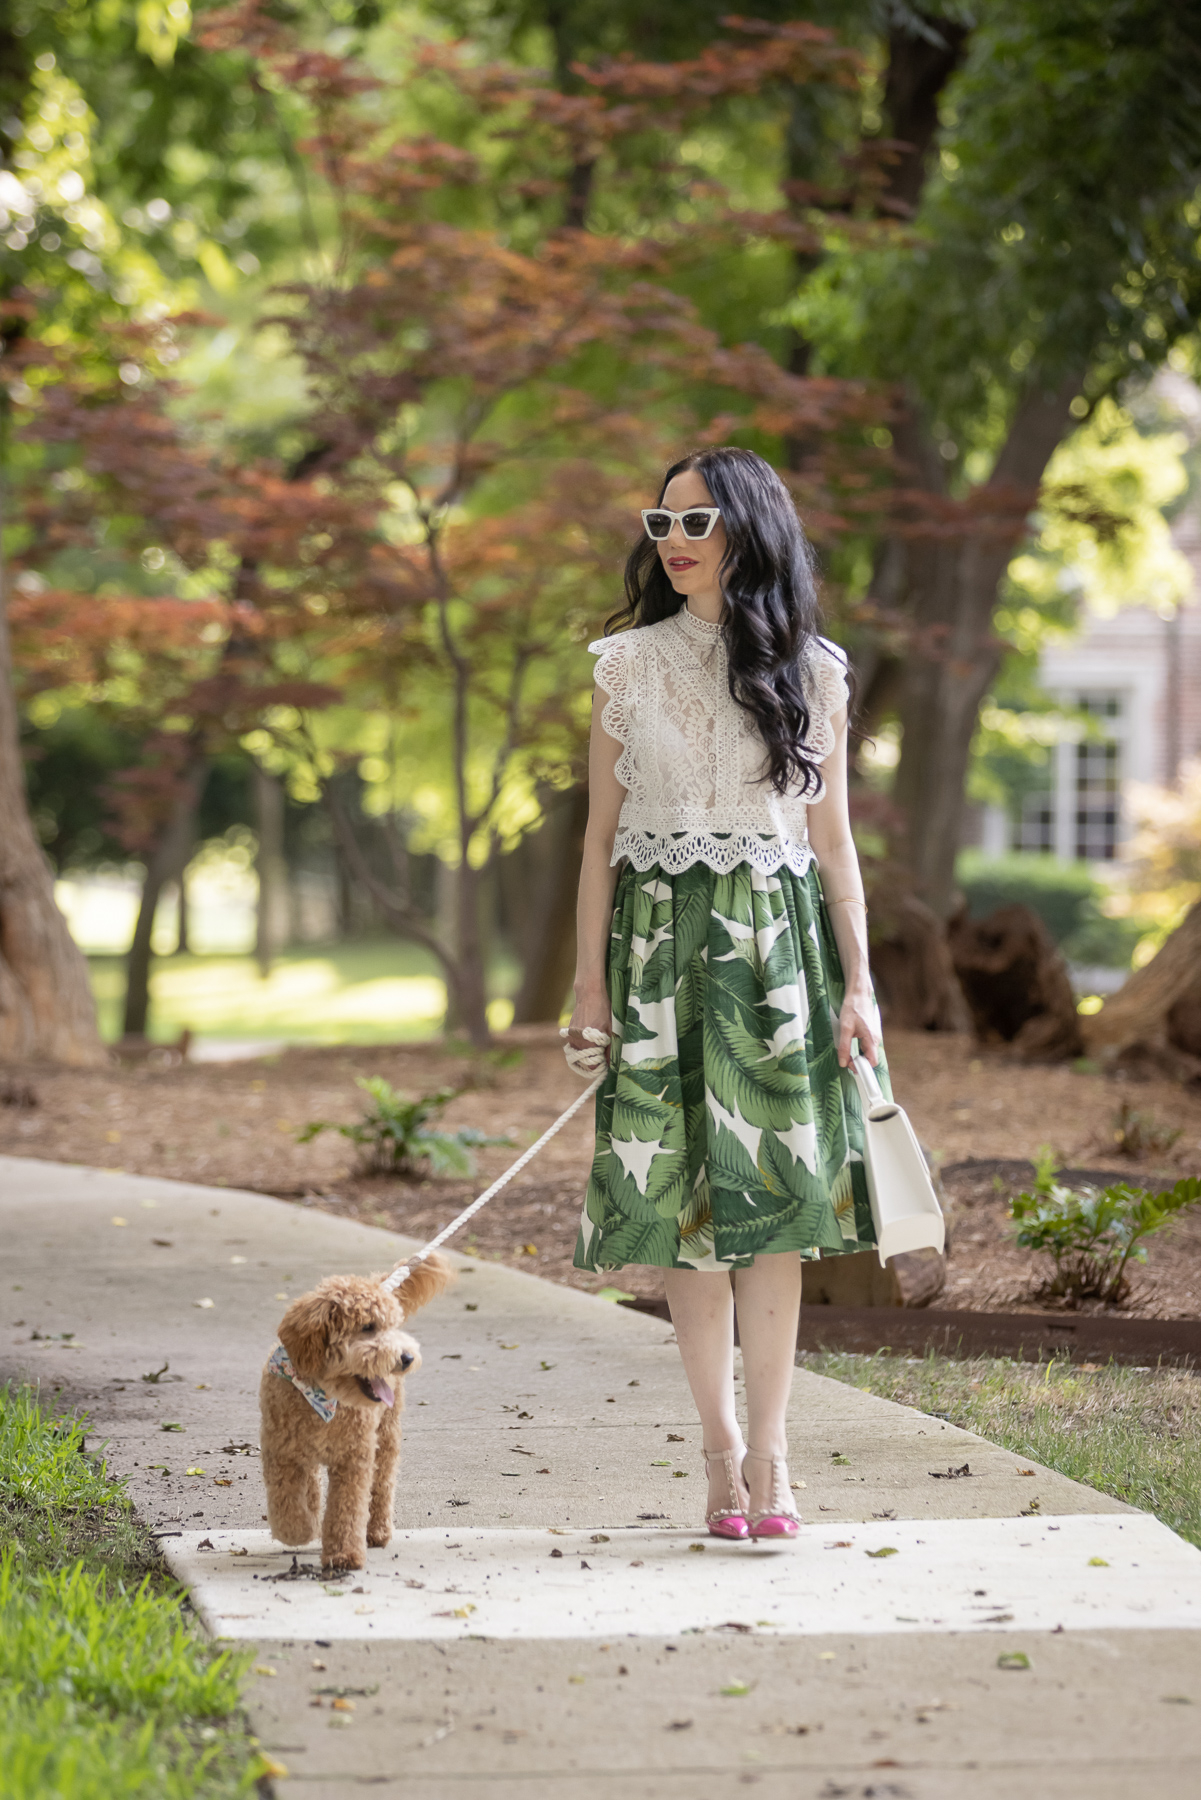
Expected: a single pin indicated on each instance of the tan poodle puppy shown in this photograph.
(331, 1396)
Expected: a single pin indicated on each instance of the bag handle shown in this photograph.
(875, 1104)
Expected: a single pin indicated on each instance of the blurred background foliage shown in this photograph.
(191, 174)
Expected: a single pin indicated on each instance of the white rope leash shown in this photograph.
(402, 1274)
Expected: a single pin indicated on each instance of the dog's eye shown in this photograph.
(371, 1326)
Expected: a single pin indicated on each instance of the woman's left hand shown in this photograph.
(857, 1020)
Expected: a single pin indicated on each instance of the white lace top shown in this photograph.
(693, 760)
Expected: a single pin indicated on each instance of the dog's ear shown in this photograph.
(426, 1281)
(304, 1332)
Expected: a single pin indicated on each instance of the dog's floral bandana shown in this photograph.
(318, 1399)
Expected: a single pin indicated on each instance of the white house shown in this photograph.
(1138, 673)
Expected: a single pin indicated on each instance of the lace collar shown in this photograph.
(701, 629)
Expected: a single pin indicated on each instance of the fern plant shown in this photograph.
(395, 1136)
(1094, 1234)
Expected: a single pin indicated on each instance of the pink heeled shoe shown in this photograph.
(780, 1519)
(726, 1521)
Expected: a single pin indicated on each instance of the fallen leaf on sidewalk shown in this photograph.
(736, 1690)
(222, 1481)
(674, 1437)
(171, 1425)
(546, 1365)
(598, 1537)
(1013, 1659)
(265, 1669)
(886, 1551)
(195, 1471)
(660, 1465)
(205, 1544)
(509, 1346)
(1097, 1562)
(1023, 1471)
(949, 1474)
(342, 1704)
(840, 1544)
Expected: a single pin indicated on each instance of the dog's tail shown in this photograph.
(424, 1282)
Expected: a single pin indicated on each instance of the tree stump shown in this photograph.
(1153, 1022)
(915, 1278)
(1016, 984)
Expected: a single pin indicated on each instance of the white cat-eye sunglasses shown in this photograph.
(696, 523)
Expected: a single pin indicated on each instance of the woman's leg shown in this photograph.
(769, 1306)
(702, 1311)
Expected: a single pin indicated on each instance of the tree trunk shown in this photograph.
(1155, 1018)
(270, 927)
(951, 588)
(46, 1008)
(182, 929)
(467, 998)
(912, 970)
(548, 937)
(167, 862)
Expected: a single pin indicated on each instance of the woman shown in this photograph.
(732, 978)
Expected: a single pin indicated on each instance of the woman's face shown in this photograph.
(692, 565)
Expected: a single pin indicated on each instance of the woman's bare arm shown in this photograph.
(842, 886)
(594, 912)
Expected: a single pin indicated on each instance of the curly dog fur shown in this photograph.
(345, 1337)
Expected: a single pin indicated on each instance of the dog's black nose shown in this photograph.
(406, 1360)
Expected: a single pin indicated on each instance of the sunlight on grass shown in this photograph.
(347, 993)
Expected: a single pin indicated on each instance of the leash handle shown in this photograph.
(402, 1274)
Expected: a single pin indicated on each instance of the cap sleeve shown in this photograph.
(825, 676)
(614, 676)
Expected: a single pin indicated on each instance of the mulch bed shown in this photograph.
(236, 1124)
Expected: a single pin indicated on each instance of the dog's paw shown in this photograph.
(342, 1563)
(379, 1538)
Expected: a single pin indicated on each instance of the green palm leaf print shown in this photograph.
(732, 1132)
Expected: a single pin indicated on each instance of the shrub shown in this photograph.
(1092, 1234)
(1066, 896)
(394, 1137)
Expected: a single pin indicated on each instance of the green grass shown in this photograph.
(1135, 1434)
(105, 1686)
(372, 992)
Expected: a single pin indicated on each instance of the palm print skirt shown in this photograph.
(725, 1128)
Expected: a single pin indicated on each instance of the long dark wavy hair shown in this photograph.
(768, 576)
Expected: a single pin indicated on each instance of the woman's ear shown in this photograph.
(304, 1332)
(427, 1280)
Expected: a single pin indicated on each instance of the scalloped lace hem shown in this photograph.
(679, 852)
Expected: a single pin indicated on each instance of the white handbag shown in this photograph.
(904, 1205)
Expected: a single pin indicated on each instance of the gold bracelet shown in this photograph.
(848, 900)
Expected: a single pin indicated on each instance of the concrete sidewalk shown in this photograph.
(544, 1420)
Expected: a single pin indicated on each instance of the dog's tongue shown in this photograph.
(381, 1390)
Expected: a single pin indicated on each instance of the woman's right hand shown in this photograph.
(592, 1009)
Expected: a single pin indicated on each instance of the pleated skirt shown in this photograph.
(725, 1128)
